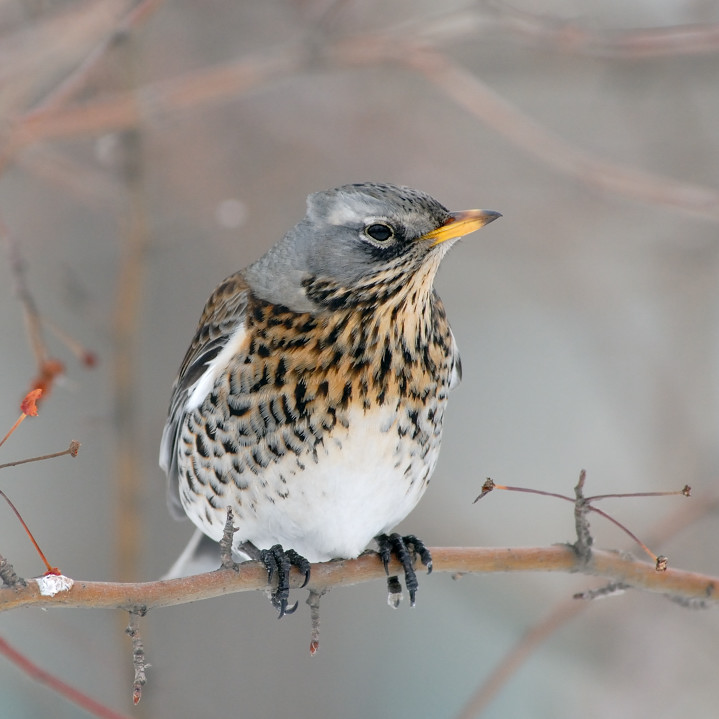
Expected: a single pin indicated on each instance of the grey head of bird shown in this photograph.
(358, 242)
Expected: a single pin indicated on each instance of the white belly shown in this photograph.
(365, 480)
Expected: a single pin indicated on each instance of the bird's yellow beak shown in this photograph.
(459, 224)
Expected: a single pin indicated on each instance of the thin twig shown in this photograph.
(608, 590)
(71, 86)
(226, 542)
(570, 37)
(9, 576)
(50, 569)
(22, 292)
(583, 545)
(582, 506)
(626, 530)
(517, 655)
(313, 602)
(489, 687)
(16, 424)
(57, 685)
(139, 664)
(72, 450)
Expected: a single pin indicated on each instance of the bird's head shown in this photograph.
(357, 240)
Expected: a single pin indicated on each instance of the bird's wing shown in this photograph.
(218, 337)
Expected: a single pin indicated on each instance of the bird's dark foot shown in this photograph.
(405, 549)
(280, 562)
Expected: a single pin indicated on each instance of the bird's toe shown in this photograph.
(405, 549)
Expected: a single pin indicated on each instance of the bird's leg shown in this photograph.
(280, 562)
(405, 549)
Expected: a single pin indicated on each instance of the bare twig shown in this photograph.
(687, 516)
(139, 664)
(582, 506)
(313, 601)
(570, 37)
(583, 545)
(519, 653)
(57, 685)
(226, 542)
(608, 590)
(31, 55)
(22, 291)
(72, 450)
(8, 575)
(76, 81)
(50, 569)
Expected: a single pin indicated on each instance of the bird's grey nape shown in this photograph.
(277, 276)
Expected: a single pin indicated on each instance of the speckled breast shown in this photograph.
(324, 429)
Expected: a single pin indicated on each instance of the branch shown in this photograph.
(568, 36)
(494, 111)
(686, 587)
(155, 102)
(57, 685)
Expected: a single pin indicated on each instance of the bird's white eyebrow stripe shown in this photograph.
(343, 215)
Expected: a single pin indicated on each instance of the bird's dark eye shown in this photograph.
(379, 232)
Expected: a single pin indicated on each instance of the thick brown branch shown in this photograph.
(464, 560)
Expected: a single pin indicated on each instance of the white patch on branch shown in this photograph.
(52, 584)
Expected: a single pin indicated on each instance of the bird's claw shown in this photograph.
(405, 549)
(280, 562)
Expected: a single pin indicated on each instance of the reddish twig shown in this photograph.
(57, 685)
(517, 655)
(22, 291)
(28, 408)
(583, 505)
(565, 611)
(85, 356)
(50, 569)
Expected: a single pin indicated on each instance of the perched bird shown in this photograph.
(312, 396)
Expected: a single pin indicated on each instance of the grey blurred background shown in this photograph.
(586, 317)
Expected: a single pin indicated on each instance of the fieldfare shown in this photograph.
(312, 396)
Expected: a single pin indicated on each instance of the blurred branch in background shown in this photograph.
(152, 104)
(63, 57)
(571, 37)
(57, 685)
(129, 302)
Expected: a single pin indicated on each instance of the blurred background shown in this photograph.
(149, 150)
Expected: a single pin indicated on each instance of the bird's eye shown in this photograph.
(379, 232)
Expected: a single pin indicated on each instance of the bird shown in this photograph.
(311, 399)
